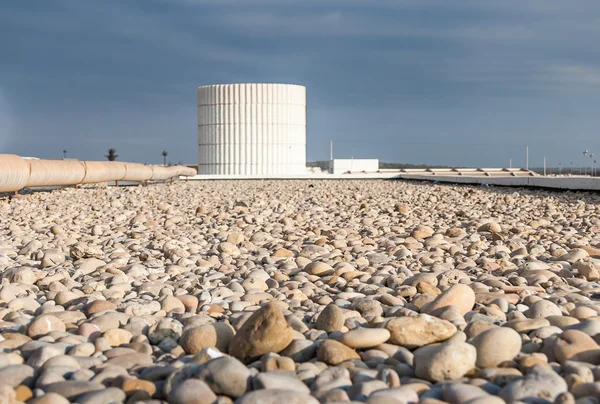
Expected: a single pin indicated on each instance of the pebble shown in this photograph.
(540, 383)
(496, 346)
(576, 345)
(277, 397)
(192, 391)
(543, 309)
(217, 335)
(73, 389)
(15, 375)
(459, 295)
(275, 380)
(330, 319)
(362, 338)
(264, 332)
(49, 398)
(414, 332)
(117, 336)
(44, 325)
(445, 361)
(109, 395)
(333, 352)
(226, 376)
(300, 350)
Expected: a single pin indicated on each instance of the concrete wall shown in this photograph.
(252, 129)
(341, 166)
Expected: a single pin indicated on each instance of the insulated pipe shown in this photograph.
(14, 173)
(49, 173)
(137, 172)
(17, 173)
(174, 171)
(103, 171)
(160, 173)
(187, 171)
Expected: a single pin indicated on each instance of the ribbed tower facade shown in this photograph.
(252, 129)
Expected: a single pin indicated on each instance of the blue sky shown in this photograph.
(456, 82)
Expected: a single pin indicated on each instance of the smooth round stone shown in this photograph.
(543, 309)
(446, 361)
(88, 330)
(217, 335)
(272, 362)
(277, 397)
(574, 255)
(276, 380)
(333, 352)
(300, 350)
(459, 295)
(65, 297)
(540, 384)
(402, 395)
(582, 312)
(576, 345)
(491, 227)
(49, 398)
(172, 304)
(496, 346)
(23, 393)
(545, 332)
(109, 395)
(42, 354)
(63, 361)
(475, 328)
(131, 385)
(23, 275)
(588, 270)
(361, 390)
(413, 332)
(15, 375)
(72, 389)
(192, 391)
(43, 325)
(586, 390)
(331, 319)
(590, 326)
(462, 393)
(527, 325)
(318, 269)
(117, 336)
(361, 338)
(130, 360)
(85, 349)
(226, 375)
(264, 332)
(109, 320)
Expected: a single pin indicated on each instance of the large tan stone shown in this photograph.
(265, 331)
(333, 352)
(414, 332)
(458, 295)
(217, 335)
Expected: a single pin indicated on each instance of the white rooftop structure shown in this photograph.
(252, 129)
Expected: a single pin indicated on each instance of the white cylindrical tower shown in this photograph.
(252, 129)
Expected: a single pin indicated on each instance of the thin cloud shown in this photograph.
(582, 75)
